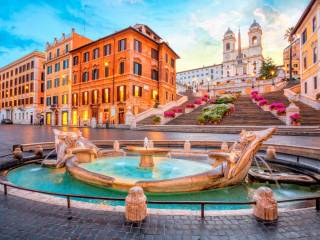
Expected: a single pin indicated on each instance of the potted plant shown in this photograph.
(169, 114)
(295, 119)
(156, 120)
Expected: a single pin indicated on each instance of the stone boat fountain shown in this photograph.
(159, 173)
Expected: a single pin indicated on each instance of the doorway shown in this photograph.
(121, 116)
(64, 118)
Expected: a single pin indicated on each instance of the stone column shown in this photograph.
(266, 207)
(291, 109)
(136, 206)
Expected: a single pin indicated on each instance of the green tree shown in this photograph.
(268, 69)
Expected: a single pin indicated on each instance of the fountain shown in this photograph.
(147, 153)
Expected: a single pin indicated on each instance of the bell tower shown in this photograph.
(255, 35)
(229, 45)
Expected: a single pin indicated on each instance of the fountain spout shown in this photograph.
(146, 143)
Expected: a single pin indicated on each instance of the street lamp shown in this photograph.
(272, 72)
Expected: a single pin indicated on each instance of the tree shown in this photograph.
(290, 38)
(268, 69)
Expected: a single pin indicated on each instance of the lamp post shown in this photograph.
(272, 72)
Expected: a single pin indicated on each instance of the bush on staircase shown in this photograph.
(213, 114)
(226, 98)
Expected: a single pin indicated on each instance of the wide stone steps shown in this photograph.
(309, 115)
(248, 113)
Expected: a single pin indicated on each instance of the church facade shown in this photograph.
(241, 62)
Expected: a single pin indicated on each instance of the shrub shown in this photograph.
(190, 105)
(201, 120)
(156, 119)
(226, 98)
(169, 114)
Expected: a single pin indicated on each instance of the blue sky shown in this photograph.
(194, 28)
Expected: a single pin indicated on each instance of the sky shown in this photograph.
(193, 28)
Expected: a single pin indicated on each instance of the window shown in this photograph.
(314, 24)
(172, 63)
(49, 69)
(58, 52)
(50, 56)
(32, 64)
(75, 99)
(315, 82)
(122, 44)
(167, 76)
(56, 82)
(65, 80)
(121, 93)
(154, 75)
(95, 53)
(74, 78)
(55, 100)
(67, 48)
(48, 101)
(86, 57)
(95, 74)
(137, 68)
(106, 95)
(106, 71)
(121, 68)
(228, 47)
(85, 98)
(166, 57)
(154, 54)
(137, 46)
(305, 62)
(65, 64)
(154, 94)
(95, 96)
(304, 36)
(315, 54)
(305, 87)
(136, 91)
(75, 60)
(85, 77)
(57, 67)
(49, 84)
(64, 99)
(107, 50)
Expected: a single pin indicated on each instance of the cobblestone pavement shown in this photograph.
(25, 219)
(17, 134)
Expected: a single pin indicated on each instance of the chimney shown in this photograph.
(73, 30)
(63, 35)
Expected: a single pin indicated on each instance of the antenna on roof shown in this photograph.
(84, 18)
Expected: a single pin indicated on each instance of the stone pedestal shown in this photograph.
(187, 146)
(146, 161)
(291, 109)
(17, 153)
(266, 207)
(136, 206)
(271, 153)
(116, 146)
(224, 147)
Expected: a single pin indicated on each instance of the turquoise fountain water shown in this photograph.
(127, 168)
(57, 180)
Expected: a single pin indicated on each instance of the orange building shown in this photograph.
(21, 89)
(58, 74)
(295, 59)
(126, 72)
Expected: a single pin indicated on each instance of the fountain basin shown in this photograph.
(168, 175)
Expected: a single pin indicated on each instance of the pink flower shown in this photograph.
(177, 110)
(274, 106)
(198, 101)
(254, 93)
(169, 114)
(263, 102)
(295, 117)
(190, 105)
(281, 110)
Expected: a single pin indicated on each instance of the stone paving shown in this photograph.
(18, 134)
(25, 219)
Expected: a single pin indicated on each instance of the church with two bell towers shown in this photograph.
(241, 62)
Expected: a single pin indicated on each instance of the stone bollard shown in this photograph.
(116, 146)
(271, 153)
(266, 207)
(38, 151)
(136, 206)
(17, 153)
(187, 146)
(224, 147)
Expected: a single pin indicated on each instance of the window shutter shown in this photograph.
(124, 93)
(140, 91)
(118, 93)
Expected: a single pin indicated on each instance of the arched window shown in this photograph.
(95, 74)
(228, 47)
(254, 40)
(85, 77)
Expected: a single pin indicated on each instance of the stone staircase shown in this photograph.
(248, 113)
(309, 115)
